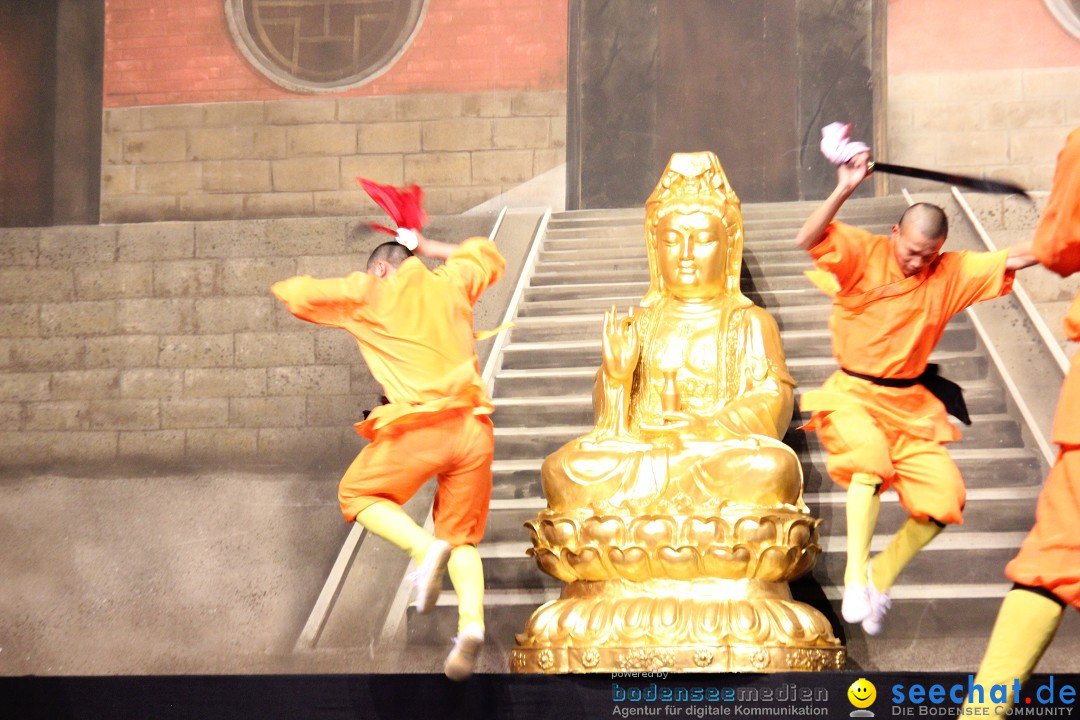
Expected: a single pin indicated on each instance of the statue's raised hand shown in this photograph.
(620, 343)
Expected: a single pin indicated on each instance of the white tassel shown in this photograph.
(836, 146)
(408, 238)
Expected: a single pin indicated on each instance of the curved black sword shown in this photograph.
(992, 186)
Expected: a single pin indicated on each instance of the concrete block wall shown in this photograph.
(1010, 221)
(289, 158)
(1008, 124)
(160, 342)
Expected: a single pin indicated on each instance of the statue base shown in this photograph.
(700, 625)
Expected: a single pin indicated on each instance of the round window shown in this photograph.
(1067, 13)
(323, 45)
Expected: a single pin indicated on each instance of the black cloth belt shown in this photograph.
(949, 393)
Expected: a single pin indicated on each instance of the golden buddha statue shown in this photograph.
(679, 520)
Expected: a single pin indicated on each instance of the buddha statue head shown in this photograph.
(694, 232)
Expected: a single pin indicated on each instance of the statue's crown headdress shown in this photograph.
(692, 182)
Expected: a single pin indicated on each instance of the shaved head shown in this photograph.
(929, 220)
(392, 253)
(918, 237)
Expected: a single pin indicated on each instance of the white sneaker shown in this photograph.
(462, 659)
(429, 576)
(879, 605)
(856, 605)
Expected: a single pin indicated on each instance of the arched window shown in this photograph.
(1067, 13)
(323, 45)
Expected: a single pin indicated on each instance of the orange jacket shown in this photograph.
(414, 329)
(886, 325)
(1057, 246)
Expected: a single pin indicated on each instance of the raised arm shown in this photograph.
(1020, 256)
(433, 248)
(327, 302)
(848, 177)
(473, 265)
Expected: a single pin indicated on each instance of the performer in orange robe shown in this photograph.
(1046, 571)
(415, 331)
(877, 417)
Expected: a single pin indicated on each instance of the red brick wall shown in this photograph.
(160, 52)
(959, 36)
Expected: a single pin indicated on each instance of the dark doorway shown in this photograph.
(51, 58)
(752, 81)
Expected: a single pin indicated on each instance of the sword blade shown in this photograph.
(992, 186)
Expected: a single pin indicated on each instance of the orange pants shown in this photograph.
(920, 470)
(1050, 555)
(454, 445)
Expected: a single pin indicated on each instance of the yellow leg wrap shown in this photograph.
(863, 505)
(905, 545)
(467, 576)
(1025, 625)
(389, 521)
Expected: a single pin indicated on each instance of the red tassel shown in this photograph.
(403, 205)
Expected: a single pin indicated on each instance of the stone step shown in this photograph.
(958, 366)
(959, 334)
(987, 431)
(528, 381)
(562, 237)
(974, 562)
(815, 310)
(596, 305)
(585, 351)
(583, 238)
(561, 228)
(543, 411)
(603, 216)
(778, 276)
(798, 317)
(598, 267)
(640, 262)
(518, 480)
(564, 251)
(854, 210)
(781, 276)
(805, 295)
(584, 291)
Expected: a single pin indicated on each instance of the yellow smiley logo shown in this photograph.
(862, 693)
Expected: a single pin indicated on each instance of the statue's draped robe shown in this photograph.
(727, 359)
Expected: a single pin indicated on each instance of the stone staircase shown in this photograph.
(590, 260)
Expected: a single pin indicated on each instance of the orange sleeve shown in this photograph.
(327, 302)
(842, 253)
(1057, 238)
(976, 276)
(474, 265)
